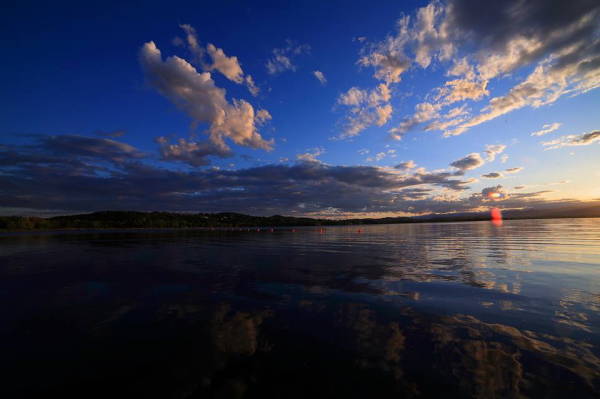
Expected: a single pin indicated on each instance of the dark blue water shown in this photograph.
(413, 310)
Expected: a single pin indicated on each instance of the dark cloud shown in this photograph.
(89, 147)
(68, 173)
(471, 161)
(553, 25)
(194, 153)
(81, 173)
(573, 140)
(493, 175)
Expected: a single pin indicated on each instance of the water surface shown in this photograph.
(411, 310)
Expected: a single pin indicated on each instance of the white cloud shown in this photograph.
(367, 108)
(281, 60)
(563, 49)
(492, 150)
(504, 158)
(196, 94)
(406, 165)
(320, 76)
(547, 128)
(514, 170)
(423, 112)
(227, 66)
(311, 155)
(378, 157)
(573, 140)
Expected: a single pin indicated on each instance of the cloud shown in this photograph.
(492, 150)
(227, 66)
(282, 59)
(562, 45)
(424, 112)
(494, 193)
(42, 177)
(462, 89)
(469, 162)
(493, 175)
(559, 42)
(378, 157)
(114, 133)
(573, 140)
(311, 155)
(74, 145)
(197, 95)
(367, 108)
(320, 76)
(514, 170)
(504, 158)
(406, 165)
(193, 44)
(191, 152)
(547, 128)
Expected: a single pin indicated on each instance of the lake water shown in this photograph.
(411, 310)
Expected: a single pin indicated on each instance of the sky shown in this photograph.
(328, 109)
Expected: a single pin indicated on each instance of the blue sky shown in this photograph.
(93, 86)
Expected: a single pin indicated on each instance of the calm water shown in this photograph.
(459, 310)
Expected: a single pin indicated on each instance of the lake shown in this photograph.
(411, 310)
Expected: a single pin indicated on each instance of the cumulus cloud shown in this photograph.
(488, 41)
(227, 66)
(547, 128)
(563, 45)
(282, 58)
(573, 140)
(514, 170)
(196, 94)
(320, 77)
(469, 162)
(504, 158)
(367, 108)
(492, 150)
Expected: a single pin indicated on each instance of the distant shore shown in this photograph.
(235, 221)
